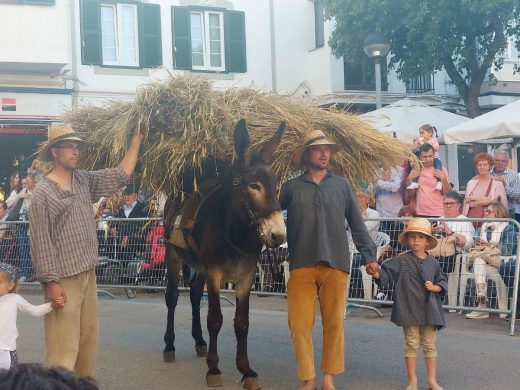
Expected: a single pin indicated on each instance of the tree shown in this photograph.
(465, 37)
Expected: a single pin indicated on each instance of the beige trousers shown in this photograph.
(71, 333)
(329, 285)
(420, 336)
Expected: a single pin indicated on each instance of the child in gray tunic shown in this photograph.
(419, 285)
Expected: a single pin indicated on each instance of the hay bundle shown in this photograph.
(188, 123)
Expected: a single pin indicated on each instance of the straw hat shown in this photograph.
(57, 134)
(418, 225)
(315, 137)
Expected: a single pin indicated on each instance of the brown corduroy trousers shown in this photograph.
(71, 333)
(329, 285)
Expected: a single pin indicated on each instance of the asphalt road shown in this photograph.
(473, 354)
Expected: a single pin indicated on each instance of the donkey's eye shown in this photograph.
(254, 187)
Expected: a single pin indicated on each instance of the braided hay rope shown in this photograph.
(187, 124)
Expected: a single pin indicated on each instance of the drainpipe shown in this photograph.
(273, 47)
(73, 54)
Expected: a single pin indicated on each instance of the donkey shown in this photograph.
(233, 221)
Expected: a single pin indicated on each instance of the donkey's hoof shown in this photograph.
(169, 356)
(251, 384)
(201, 350)
(214, 380)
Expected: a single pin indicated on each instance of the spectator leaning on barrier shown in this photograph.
(494, 239)
(483, 190)
(508, 178)
(3, 218)
(64, 245)
(317, 204)
(427, 197)
(462, 231)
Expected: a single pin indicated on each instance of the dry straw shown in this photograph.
(188, 123)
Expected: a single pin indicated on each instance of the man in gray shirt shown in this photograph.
(317, 204)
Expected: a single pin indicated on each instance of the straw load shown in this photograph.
(189, 127)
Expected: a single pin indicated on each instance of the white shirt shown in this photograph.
(464, 228)
(389, 194)
(372, 226)
(9, 306)
(127, 210)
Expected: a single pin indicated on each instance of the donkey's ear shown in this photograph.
(242, 142)
(271, 145)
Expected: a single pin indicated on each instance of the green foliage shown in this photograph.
(466, 37)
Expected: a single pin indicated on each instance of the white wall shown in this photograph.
(36, 34)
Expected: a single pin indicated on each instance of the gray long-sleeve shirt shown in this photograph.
(316, 222)
(413, 304)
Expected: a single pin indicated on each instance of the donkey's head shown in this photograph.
(254, 186)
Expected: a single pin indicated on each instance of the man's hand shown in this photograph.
(439, 174)
(372, 268)
(138, 136)
(124, 242)
(499, 178)
(56, 294)
(412, 176)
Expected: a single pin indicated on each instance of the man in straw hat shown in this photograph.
(64, 245)
(317, 204)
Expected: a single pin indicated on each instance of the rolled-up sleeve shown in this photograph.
(106, 182)
(43, 253)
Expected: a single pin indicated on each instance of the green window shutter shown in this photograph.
(91, 52)
(235, 41)
(150, 46)
(181, 37)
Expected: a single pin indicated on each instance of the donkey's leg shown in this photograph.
(243, 292)
(196, 292)
(214, 278)
(173, 263)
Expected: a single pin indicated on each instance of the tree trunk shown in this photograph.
(471, 100)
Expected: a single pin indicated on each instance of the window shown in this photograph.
(119, 38)
(512, 51)
(319, 23)
(210, 40)
(121, 34)
(361, 76)
(207, 40)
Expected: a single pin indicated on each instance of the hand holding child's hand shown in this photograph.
(429, 286)
(372, 268)
(58, 303)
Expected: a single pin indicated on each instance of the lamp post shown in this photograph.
(377, 46)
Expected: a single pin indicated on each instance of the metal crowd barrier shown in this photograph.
(131, 256)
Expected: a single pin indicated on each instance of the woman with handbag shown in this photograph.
(453, 236)
(493, 239)
(483, 190)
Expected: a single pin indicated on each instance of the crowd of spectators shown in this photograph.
(398, 192)
(125, 241)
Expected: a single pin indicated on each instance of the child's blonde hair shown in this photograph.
(9, 274)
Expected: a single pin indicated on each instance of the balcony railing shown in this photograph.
(420, 84)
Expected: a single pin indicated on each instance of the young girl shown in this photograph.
(426, 137)
(10, 303)
(419, 285)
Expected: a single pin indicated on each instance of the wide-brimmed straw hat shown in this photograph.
(315, 137)
(56, 135)
(418, 225)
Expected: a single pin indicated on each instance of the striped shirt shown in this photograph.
(511, 184)
(62, 225)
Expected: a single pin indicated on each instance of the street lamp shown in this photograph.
(377, 46)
